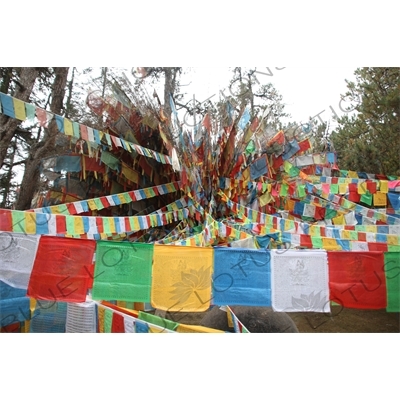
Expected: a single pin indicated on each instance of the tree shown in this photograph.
(18, 83)
(171, 81)
(44, 147)
(368, 140)
(247, 89)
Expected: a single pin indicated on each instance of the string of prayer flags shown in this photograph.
(241, 277)
(300, 281)
(357, 280)
(181, 278)
(235, 322)
(61, 271)
(123, 271)
(18, 109)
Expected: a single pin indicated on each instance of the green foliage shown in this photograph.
(368, 140)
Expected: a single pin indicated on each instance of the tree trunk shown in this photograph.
(45, 147)
(9, 125)
(169, 87)
(8, 176)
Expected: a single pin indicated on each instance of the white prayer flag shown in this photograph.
(300, 281)
(17, 256)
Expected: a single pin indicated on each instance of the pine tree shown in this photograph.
(368, 140)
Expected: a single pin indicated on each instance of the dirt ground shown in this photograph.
(348, 321)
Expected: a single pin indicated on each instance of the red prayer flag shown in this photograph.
(305, 241)
(207, 122)
(71, 209)
(357, 279)
(304, 146)
(383, 247)
(105, 202)
(61, 225)
(118, 325)
(84, 132)
(5, 221)
(61, 271)
(371, 186)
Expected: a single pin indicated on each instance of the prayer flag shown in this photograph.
(123, 271)
(300, 281)
(357, 279)
(60, 270)
(392, 271)
(17, 255)
(242, 277)
(182, 278)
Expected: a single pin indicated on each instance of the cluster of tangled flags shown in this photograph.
(281, 228)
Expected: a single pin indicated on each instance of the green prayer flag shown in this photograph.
(251, 147)
(317, 242)
(107, 230)
(63, 209)
(392, 271)
(367, 198)
(18, 221)
(301, 190)
(123, 271)
(127, 198)
(334, 188)
(77, 132)
(284, 190)
(70, 224)
(329, 214)
(109, 160)
(294, 171)
(393, 249)
(30, 111)
(108, 316)
(99, 204)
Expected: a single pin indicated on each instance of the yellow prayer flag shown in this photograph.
(330, 244)
(30, 223)
(384, 186)
(121, 198)
(343, 188)
(345, 235)
(134, 221)
(182, 278)
(78, 226)
(246, 174)
(315, 231)
(289, 225)
(362, 188)
(339, 220)
(111, 224)
(380, 199)
(54, 210)
(393, 240)
(92, 204)
(371, 228)
(352, 174)
(101, 312)
(19, 109)
(68, 128)
(265, 199)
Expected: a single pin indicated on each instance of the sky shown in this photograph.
(306, 91)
